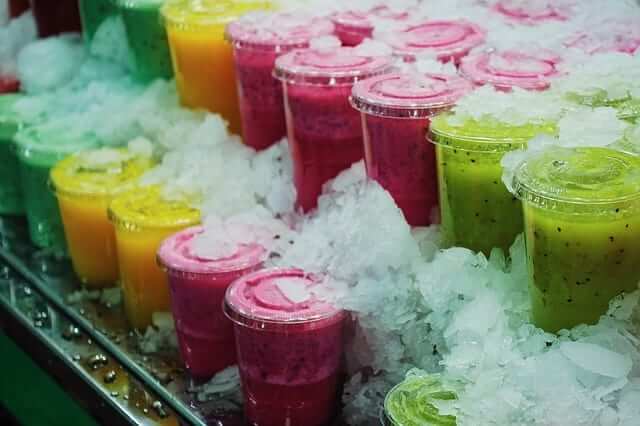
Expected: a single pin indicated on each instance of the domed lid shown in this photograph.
(532, 12)
(196, 14)
(363, 19)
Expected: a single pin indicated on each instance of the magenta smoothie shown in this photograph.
(529, 12)
(353, 26)
(444, 40)
(508, 69)
(396, 110)
(198, 282)
(290, 347)
(258, 39)
(324, 131)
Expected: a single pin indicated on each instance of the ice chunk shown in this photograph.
(591, 127)
(224, 384)
(141, 147)
(18, 33)
(597, 359)
(160, 336)
(373, 48)
(325, 43)
(294, 289)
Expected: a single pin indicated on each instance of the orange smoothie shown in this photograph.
(143, 219)
(85, 183)
(202, 58)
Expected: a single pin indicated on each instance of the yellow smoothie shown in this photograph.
(85, 183)
(202, 58)
(143, 219)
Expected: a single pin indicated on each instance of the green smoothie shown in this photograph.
(10, 192)
(412, 403)
(477, 210)
(582, 220)
(39, 148)
(93, 13)
(147, 38)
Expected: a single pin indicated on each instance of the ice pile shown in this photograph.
(16, 34)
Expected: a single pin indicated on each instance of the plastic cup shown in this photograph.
(147, 38)
(10, 190)
(532, 13)
(56, 17)
(18, 7)
(39, 149)
(582, 223)
(353, 26)
(508, 69)
(198, 284)
(257, 42)
(9, 84)
(85, 184)
(476, 209)
(445, 40)
(143, 219)
(414, 402)
(324, 131)
(290, 346)
(93, 13)
(202, 58)
(396, 111)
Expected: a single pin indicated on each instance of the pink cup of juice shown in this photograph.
(325, 135)
(198, 282)
(508, 69)
(353, 26)
(396, 110)
(290, 348)
(533, 12)
(443, 40)
(258, 39)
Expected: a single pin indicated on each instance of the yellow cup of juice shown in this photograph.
(85, 184)
(143, 219)
(202, 57)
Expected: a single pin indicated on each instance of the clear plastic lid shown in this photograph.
(199, 14)
(99, 173)
(441, 39)
(275, 298)
(181, 253)
(278, 32)
(10, 123)
(408, 95)
(508, 69)
(363, 20)
(147, 208)
(587, 179)
(531, 12)
(324, 67)
(49, 144)
(484, 136)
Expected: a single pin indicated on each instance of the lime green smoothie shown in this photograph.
(10, 192)
(582, 220)
(477, 210)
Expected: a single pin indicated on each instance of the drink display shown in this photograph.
(202, 58)
(56, 17)
(39, 149)
(582, 232)
(476, 209)
(18, 7)
(10, 191)
(353, 26)
(532, 13)
(85, 184)
(412, 402)
(147, 38)
(257, 41)
(508, 69)
(198, 281)
(324, 131)
(289, 346)
(443, 40)
(142, 220)
(93, 13)
(396, 112)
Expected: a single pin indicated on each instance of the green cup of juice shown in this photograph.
(10, 191)
(477, 210)
(39, 148)
(93, 13)
(582, 231)
(414, 402)
(147, 38)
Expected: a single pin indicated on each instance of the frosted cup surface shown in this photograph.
(396, 111)
(508, 69)
(10, 190)
(56, 17)
(582, 231)
(324, 131)
(258, 39)
(353, 26)
(290, 345)
(445, 40)
(198, 282)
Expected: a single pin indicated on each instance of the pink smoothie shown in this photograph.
(445, 40)
(324, 132)
(534, 12)
(198, 284)
(508, 69)
(258, 39)
(353, 26)
(290, 347)
(396, 110)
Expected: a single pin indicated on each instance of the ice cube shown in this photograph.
(294, 289)
(597, 359)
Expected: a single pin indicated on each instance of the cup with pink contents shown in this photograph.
(527, 12)
(353, 26)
